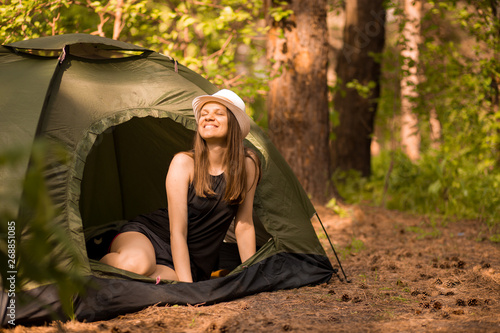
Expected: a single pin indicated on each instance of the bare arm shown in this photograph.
(177, 182)
(244, 227)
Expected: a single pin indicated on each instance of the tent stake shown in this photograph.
(334, 252)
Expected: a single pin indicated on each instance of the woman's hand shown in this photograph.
(178, 178)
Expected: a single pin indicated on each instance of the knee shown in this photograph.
(135, 262)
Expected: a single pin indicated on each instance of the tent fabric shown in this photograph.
(21, 100)
(122, 117)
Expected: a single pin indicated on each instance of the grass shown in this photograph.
(422, 233)
(400, 299)
(321, 235)
(193, 321)
(495, 238)
(355, 246)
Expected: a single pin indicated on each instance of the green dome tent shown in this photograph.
(122, 112)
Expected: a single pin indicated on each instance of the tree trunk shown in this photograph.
(435, 129)
(495, 80)
(298, 96)
(495, 77)
(410, 136)
(364, 37)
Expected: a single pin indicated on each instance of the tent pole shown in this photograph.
(334, 252)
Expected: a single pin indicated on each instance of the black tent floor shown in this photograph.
(107, 298)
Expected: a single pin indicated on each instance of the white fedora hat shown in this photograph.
(230, 100)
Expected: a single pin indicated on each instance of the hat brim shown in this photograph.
(241, 116)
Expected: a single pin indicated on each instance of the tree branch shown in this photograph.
(207, 4)
(102, 19)
(117, 26)
(221, 50)
(53, 23)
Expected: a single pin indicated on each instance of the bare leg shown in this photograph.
(132, 251)
(165, 273)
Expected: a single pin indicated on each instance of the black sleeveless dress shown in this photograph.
(208, 221)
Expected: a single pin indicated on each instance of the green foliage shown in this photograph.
(495, 238)
(280, 11)
(365, 91)
(35, 259)
(223, 40)
(354, 188)
(336, 208)
(440, 184)
(457, 175)
(35, 18)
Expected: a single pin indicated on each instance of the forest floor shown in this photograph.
(407, 274)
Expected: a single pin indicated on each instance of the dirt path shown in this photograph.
(408, 274)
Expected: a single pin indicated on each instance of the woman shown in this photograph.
(206, 189)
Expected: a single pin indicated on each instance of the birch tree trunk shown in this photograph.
(358, 69)
(298, 102)
(410, 135)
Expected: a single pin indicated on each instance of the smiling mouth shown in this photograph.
(210, 126)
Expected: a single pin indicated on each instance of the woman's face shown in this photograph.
(213, 121)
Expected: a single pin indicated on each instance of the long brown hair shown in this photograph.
(234, 164)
